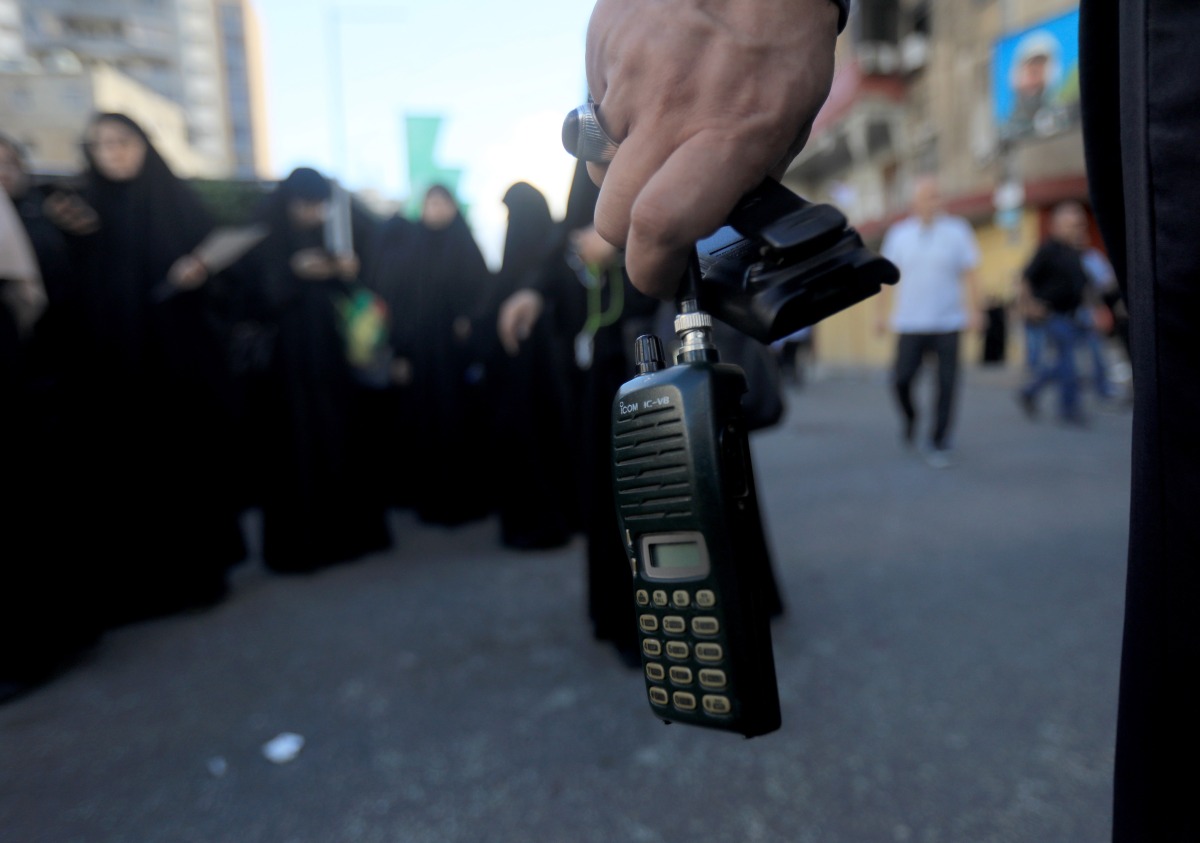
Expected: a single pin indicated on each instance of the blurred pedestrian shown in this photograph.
(602, 309)
(45, 595)
(439, 288)
(307, 418)
(936, 300)
(530, 387)
(1055, 283)
(154, 380)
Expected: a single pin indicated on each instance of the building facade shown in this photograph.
(981, 93)
(201, 55)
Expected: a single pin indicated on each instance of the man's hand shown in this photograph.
(706, 98)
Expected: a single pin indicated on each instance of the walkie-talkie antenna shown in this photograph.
(688, 298)
(692, 325)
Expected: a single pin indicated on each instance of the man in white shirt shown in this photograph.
(936, 299)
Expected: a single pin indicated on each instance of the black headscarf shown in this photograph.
(303, 184)
(530, 237)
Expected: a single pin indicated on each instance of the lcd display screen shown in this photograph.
(676, 555)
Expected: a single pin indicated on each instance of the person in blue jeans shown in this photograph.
(1054, 284)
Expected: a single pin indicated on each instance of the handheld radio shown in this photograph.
(690, 522)
(683, 479)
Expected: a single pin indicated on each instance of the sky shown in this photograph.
(503, 75)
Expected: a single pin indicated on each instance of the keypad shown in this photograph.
(695, 665)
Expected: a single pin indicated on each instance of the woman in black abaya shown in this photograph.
(438, 287)
(532, 390)
(313, 480)
(155, 478)
(47, 593)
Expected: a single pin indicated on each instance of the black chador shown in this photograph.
(155, 479)
(437, 286)
(537, 499)
(47, 568)
(313, 465)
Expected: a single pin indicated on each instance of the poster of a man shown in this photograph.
(1036, 79)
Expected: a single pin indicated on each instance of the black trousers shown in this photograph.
(1141, 108)
(911, 351)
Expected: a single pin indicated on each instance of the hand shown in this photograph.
(187, 273)
(313, 265)
(69, 212)
(1034, 310)
(462, 329)
(518, 314)
(706, 98)
(348, 266)
(401, 371)
(975, 321)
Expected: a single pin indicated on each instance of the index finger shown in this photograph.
(686, 199)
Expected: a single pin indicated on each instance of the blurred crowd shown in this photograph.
(162, 376)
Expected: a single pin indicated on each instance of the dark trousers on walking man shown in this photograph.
(911, 351)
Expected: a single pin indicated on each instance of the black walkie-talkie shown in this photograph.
(689, 518)
(683, 479)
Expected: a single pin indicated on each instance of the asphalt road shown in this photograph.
(948, 670)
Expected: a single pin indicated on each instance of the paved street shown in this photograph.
(948, 671)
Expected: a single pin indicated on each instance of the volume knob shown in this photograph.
(648, 354)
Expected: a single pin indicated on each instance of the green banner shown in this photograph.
(421, 134)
